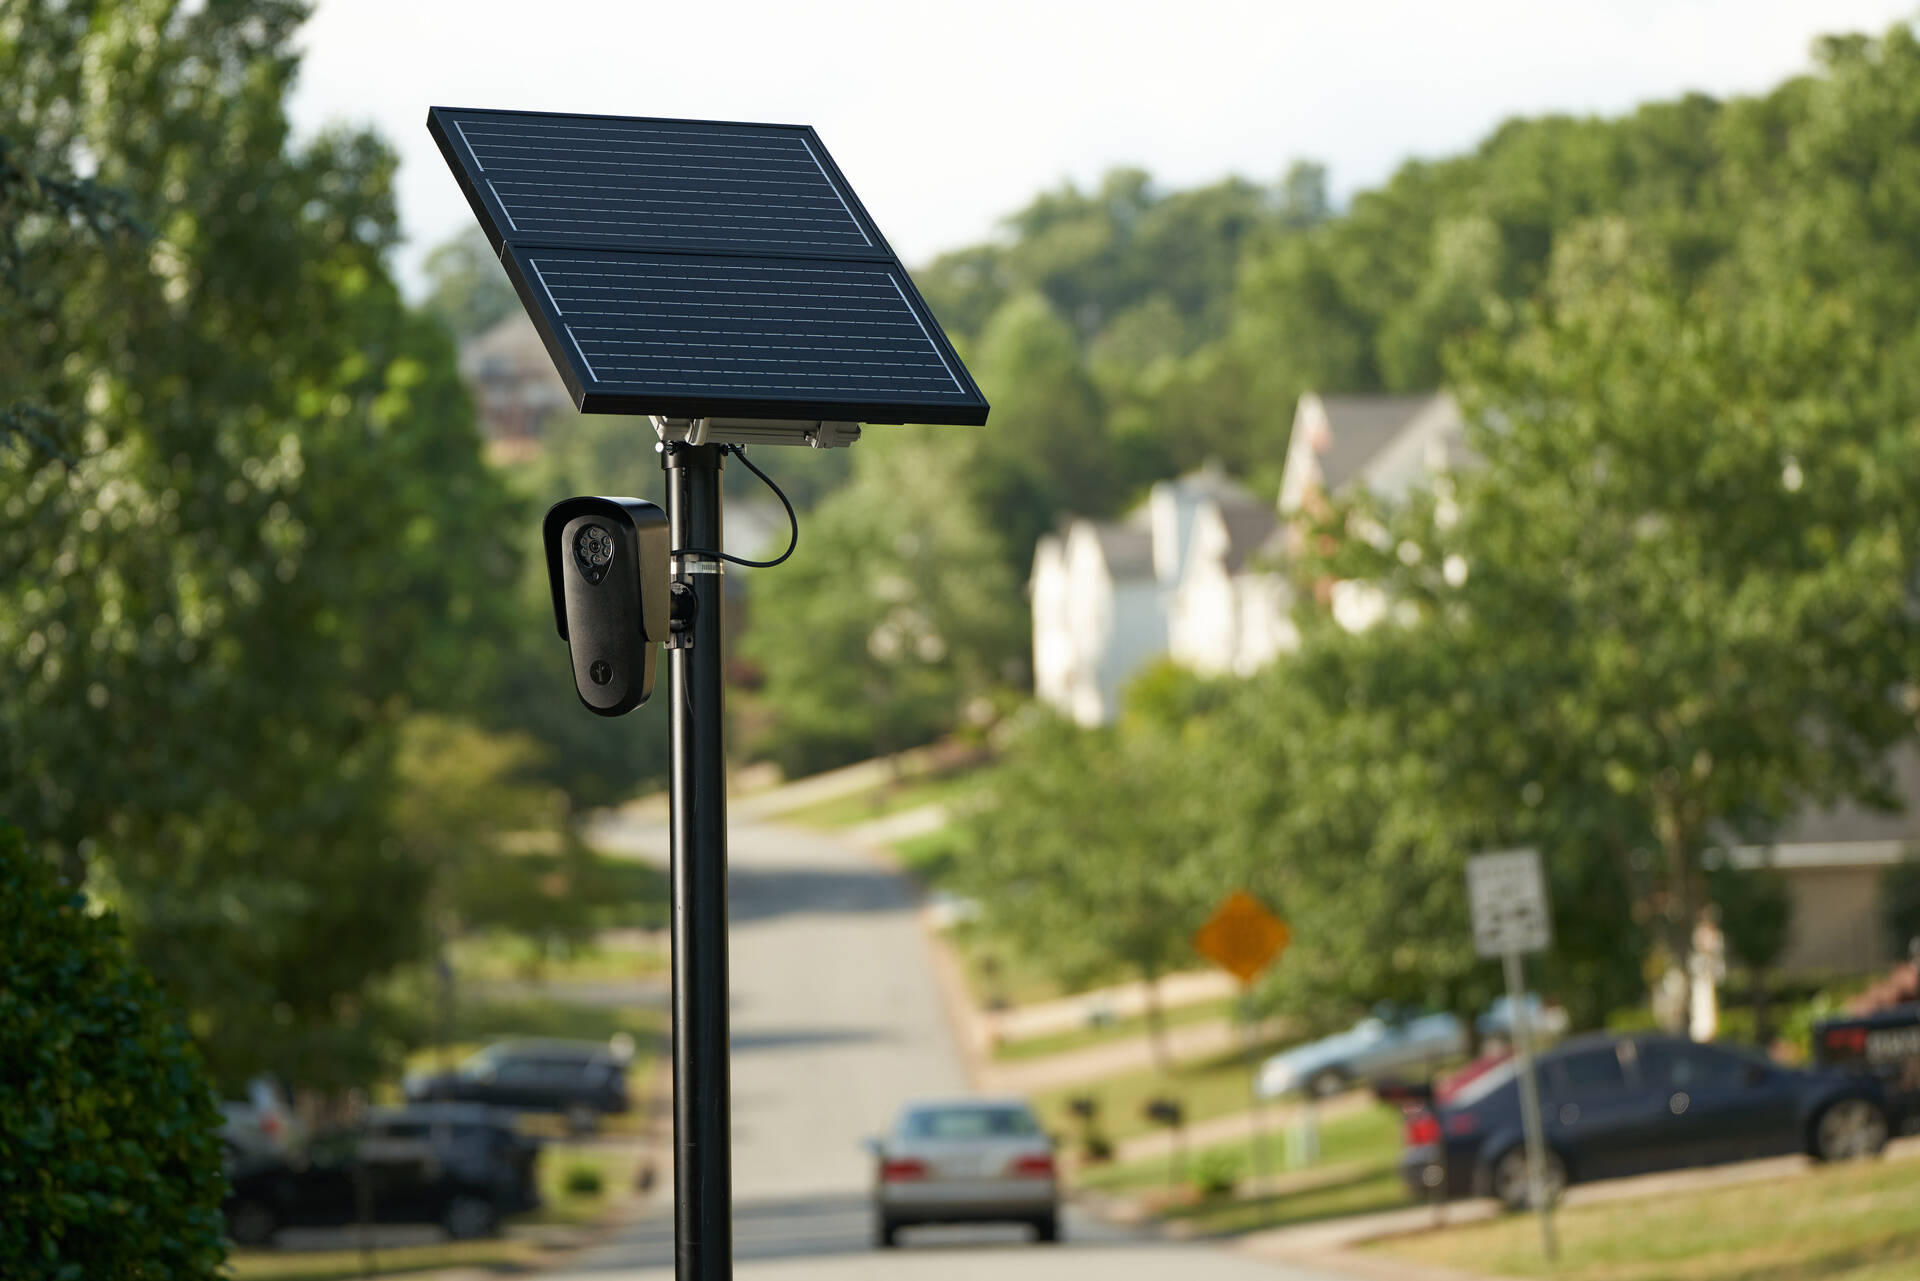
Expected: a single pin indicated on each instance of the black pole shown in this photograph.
(702, 1142)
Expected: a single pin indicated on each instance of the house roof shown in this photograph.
(1360, 428)
(1127, 549)
(1250, 523)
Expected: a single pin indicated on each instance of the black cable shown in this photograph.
(740, 452)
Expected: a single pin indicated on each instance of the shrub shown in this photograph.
(1216, 1173)
(583, 1179)
(109, 1148)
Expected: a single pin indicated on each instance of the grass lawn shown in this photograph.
(1126, 1029)
(889, 798)
(615, 1166)
(499, 956)
(1841, 1223)
(1355, 1175)
(931, 857)
(1206, 1088)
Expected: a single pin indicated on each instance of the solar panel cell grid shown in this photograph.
(743, 327)
(688, 185)
(703, 269)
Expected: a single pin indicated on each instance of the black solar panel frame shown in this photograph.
(597, 396)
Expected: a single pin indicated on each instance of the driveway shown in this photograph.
(836, 1020)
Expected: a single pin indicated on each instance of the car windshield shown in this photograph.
(482, 1064)
(968, 1123)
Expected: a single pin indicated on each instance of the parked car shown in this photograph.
(457, 1165)
(1389, 1040)
(1548, 1022)
(581, 1080)
(1394, 1040)
(261, 1125)
(1618, 1105)
(964, 1161)
(1884, 1044)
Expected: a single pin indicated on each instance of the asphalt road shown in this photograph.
(836, 1020)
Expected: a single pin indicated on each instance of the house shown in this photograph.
(1098, 615)
(1191, 575)
(1228, 614)
(515, 387)
(1832, 860)
(1387, 444)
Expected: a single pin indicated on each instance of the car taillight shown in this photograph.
(902, 1171)
(1423, 1128)
(1845, 1039)
(1039, 1166)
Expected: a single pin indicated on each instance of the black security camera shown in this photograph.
(607, 565)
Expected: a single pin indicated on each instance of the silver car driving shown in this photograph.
(965, 1161)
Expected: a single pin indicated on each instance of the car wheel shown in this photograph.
(1508, 1180)
(1046, 1229)
(1327, 1082)
(251, 1223)
(886, 1232)
(582, 1119)
(467, 1217)
(1850, 1129)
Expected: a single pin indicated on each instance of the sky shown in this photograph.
(946, 118)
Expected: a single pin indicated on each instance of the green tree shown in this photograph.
(272, 539)
(109, 1155)
(1085, 857)
(467, 288)
(1900, 904)
(1756, 915)
(1649, 575)
(894, 618)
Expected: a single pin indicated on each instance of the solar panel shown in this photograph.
(703, 269)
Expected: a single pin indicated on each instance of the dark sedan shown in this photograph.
(578, 1079)
(1619, 1105)
(459, 1166)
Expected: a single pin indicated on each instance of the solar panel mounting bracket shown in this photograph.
(816, 432)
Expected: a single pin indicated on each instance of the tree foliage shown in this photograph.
(467, 289)
(1670, 603)
(109, 1159)
(270, 542)
(894, 617)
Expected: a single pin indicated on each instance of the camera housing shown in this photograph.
(607, 563)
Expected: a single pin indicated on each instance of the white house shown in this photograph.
(1191, 573)
(1097, 615)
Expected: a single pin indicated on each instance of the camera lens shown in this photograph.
(593, 552)
(601, 672)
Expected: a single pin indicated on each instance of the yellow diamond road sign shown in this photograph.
(1242, 937)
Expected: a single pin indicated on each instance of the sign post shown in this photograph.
(1244, 938)
(1508, 895)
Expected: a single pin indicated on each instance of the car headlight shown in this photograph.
(1276, 1078)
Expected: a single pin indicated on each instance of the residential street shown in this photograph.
(836, 1020)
